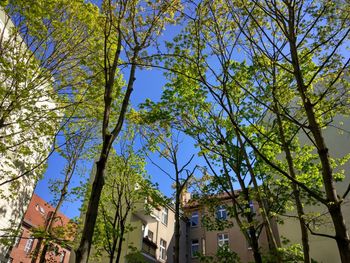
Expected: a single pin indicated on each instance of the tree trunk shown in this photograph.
(251, 238)
(334, 203)
(254, 241)
(296, 192)
(83, 252)
(119, 252)
(177, 228)
(266, 220)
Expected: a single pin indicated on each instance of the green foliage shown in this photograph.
(223, 255)
(135, 257)
(292, 253)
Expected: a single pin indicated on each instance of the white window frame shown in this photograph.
(223, 239)
(194, 244)
(29, 245)
(164, 218)
(62, 256)
(162, 249)
(194, 218)
(221, 212)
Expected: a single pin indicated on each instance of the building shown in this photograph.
(26, 114)
(207, 242)
(37, 216)
(153, 235)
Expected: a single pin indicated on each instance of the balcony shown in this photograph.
(146, 213)
(148, 247)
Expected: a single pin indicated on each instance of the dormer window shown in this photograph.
(40, 209)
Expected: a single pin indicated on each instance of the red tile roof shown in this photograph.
(38, 211)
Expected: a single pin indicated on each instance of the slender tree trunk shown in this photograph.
(83, 252)
(296, 191)
(119, 251)
(334, 203)
(111, 256)
(252, 238)
(266, 220)
(59, 204)
(177, 226)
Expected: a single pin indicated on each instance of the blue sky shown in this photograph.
(148, 85)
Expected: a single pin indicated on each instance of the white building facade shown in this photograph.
(28, 120)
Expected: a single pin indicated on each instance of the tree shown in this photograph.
(205, 109)
(77, 138)
(38, 50)
(126, 187)
(129, 27)
(309, 50)
(163, 139)
(312, 65)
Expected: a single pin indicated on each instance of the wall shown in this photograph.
(24, 143)
(325, 249)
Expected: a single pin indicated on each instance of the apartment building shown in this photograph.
(26, 130)
(207, 242)
(154, 234)
(37, 216)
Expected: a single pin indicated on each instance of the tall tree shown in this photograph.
(166, 141)
(310, 39)
(126, 187)
(207, 53)
(40, 46)
(73, 151)
(128, 28)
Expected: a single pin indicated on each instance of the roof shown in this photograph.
(193, 203)
(38, 211)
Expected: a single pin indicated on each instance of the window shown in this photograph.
(164, 218)
(194, 219)
(62, 256)
(194, 248)
(162, 249)
(29, 245)
(40, 209)
(221, 212)
(222, 240)
(150, 235)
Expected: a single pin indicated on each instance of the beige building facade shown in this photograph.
(323, 249)
(207, 242)
(154, 234)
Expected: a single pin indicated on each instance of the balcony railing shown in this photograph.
(149, 247)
